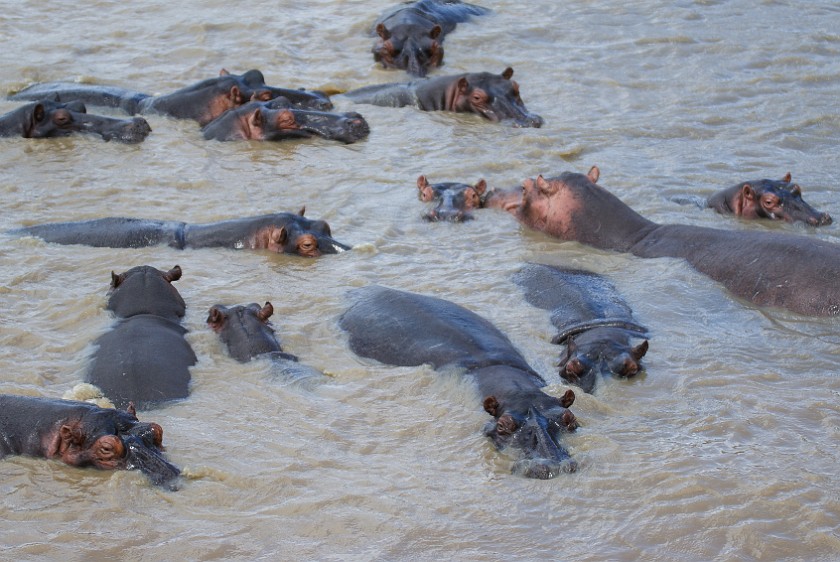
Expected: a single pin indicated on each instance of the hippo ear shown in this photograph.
(71, 435)
(546, 187)
(224, 72)
(38, 112)
(593, 174)
(279, 235)
(383, 32)
(435, 32)
(480, 187)
(422, 182)
(639, 351)
(787, 178)
(463, 85)
(568, 398)
(216, 318)
(569, 420)
(116, 280)
(173, 274)
(491, 406)
(748, 192)
(131, 410)
(507, 73)
(265, 312)
(796, 190)
(235, 95)
(302, 211)
(256, 119)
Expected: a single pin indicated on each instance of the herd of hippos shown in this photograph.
(144, 360)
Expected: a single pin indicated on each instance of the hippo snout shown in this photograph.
(134, 131)
(543, 469)
(531, 120)
(150, 462)
(823, 220)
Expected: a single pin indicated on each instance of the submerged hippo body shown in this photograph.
(493, 96)
(452, 201)
(592, 320)
(279, 232)
(247, 335)
(411, 34)
(82, 434)
(202, 102)
(400, 328)
(144, 359)
(766, 268)
(767, 199)
(270, 121)
(45, 119)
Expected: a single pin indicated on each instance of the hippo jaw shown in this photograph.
(500, 109)
(150, 461)
(346, 127)
(536, 438)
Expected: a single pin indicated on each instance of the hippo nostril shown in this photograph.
(825, 219)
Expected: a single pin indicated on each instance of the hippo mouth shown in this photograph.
(331, 246)
(347, 127)
(150, 462)
(447, 215)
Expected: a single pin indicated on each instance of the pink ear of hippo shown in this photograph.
(173, 274)
(422, 182)
(508, 72)
(480, 187)
(435, 32)
(215, 318)
(748, 192)
(265, 312)
(383, 32)
(594, 174)
(545, 187)
(787, 178)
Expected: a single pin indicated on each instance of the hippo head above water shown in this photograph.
(777, 200)
(453, 201)
(146, 290)
(604, 351)
(407, 48)
(532, 430)
(493, 96)
(244, 329)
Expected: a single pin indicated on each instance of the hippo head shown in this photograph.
(604, 351)
(276, 120)
(347, 127)
(51, 118)
(253, 85)
(408, 48)
(146, 290)
(296, 234)
(453, 201)
(778, 200)
(244, 329)
(532, 430)
(493, 96)
(111, 439)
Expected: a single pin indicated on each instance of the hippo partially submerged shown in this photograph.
(82, 434)
(592, 319)
(452, 201)
(400, 328)
(286, 233)
(493, 96)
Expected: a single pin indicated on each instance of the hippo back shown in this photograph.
(400, 328)
(578, 300)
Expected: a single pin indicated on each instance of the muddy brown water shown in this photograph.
(724, 449)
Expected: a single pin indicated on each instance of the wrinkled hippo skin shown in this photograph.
(202, 102)
(493, 96)
(452, 201)
(411, 34)
(766, 268)
(45, 119)
(767, 199)
(247, 334)
(144, 359)
(270, 121)
(287, 233)
(82, 434)
(592, 319)
(400, 328)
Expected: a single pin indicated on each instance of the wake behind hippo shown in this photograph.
(401, 328)
(492, 96)
(411, 34)
(592, 319)
(82, 434)
(287, 233)
(766, 268)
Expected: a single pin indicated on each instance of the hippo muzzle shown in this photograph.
(150, 461)
(501, 109)
(345, 127)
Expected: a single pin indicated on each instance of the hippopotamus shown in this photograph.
(83, 434)
(453, 201)
(202, 102)
(401, 328)
(493, 96)
(270, 121)
(592, 319)
(144, 359)
(411, 34)
(247, 334)
(772, 269)
(284, 233)
(46, 118)
(767, 199)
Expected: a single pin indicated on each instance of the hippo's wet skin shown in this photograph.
(592, 319)
(144, 359)
(271, 121)
(202, 102)
(411, 34)
(767, 199)
(766, 268)
(493, 96)
(45, 119)
(400, 328)
(287, 233)
(452, 201)
(82, 434)
(247, 334)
